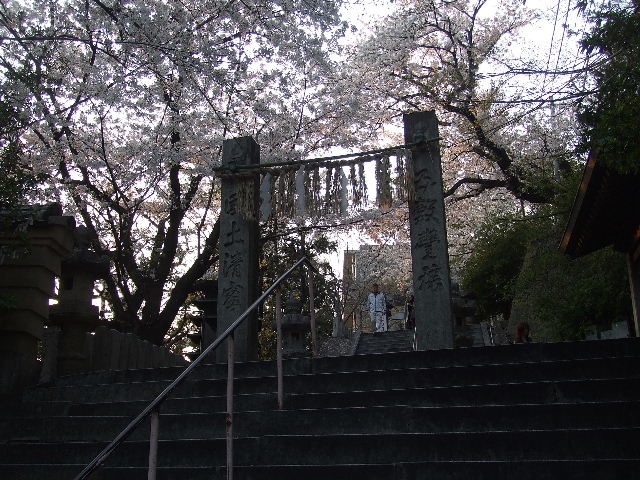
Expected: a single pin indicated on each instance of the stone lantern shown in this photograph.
(463, 307)
(295, 326)
(74, 313)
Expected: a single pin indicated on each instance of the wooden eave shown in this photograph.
(606, 211)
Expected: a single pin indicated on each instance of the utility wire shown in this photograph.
(564, 30)
(553, 34)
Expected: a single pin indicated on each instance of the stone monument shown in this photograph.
(429, 248)
(238, 247)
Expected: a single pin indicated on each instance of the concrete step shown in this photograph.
(446, 357)
(545, 392)
(206, 370)
(600, 469)
(539, 411)
(347, 421)
(481, 374)
(592, 390)
(385, 342)
(512, 446)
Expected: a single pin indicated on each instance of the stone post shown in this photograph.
(27, 279)
(74, 313)
(238, 274)
(429, 249)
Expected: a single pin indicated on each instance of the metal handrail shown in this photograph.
(154, 404)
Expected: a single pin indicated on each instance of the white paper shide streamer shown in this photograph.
(300, 192)
(334, 187)
(344, 201)
(265, 197)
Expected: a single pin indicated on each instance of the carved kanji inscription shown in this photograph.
(428, 241)
(231, 296)
(233, 236)
(232, 264)
(431, 278)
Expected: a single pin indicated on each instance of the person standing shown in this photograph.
(522, 333)
(410, 314)
(377, 309)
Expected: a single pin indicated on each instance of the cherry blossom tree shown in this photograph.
(502, 127)
(125, 104)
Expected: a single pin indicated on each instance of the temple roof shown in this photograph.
(606, 211)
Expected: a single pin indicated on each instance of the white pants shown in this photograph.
(379, 321)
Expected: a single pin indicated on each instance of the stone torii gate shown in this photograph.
(239, 240)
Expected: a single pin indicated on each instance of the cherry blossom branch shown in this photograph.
(485, 183)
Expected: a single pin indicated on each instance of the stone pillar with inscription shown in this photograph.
(429, 249)
(238, 274)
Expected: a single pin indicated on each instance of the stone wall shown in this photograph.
(108, 349)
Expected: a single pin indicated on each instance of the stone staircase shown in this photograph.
(385, 342)
(540, 411)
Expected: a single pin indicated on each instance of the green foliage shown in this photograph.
(267, 341)
(517, 271)
(611, 117)
(279, 256)
(565, 299)
(17, 180)
(176, 339)
(490, 273)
